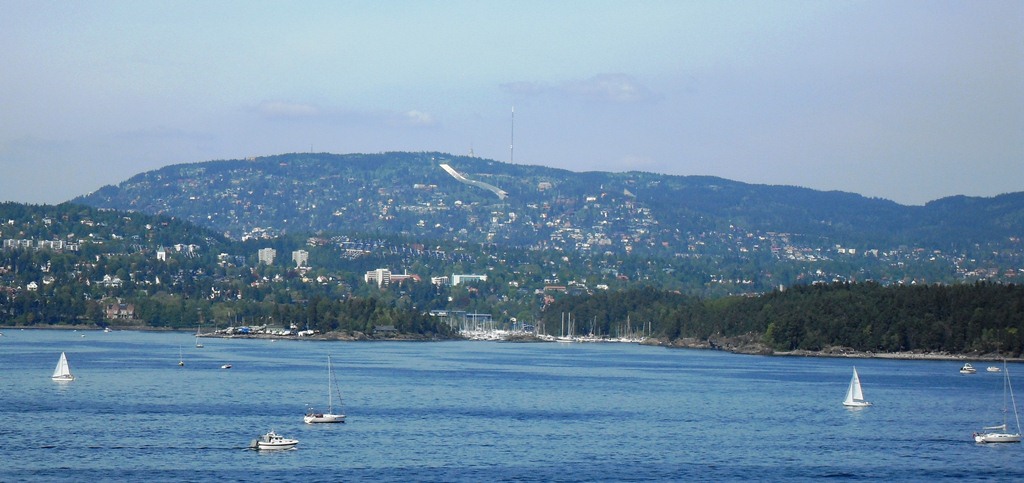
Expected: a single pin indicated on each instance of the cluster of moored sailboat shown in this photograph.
(989, 434)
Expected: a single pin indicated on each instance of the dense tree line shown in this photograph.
(323, 314)
(962, 318)
(221, 283)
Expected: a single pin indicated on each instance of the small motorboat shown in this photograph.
(226, 366)
(968, 369)
(273, 440)
(993, 369)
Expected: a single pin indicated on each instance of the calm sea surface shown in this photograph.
(482, 411)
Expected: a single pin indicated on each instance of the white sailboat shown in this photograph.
(199, 345)
(62, 372)
(329, 416)
(1000, 433)
(855, 395)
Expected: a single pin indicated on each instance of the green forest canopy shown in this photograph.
(962, 318)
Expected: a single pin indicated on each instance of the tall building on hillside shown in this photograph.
(300, 257)
(266, 255)
(380, 276)
(457, 279)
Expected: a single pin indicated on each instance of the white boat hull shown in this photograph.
(324, 418)
(856, 404)
(996, 438)
(272, 441)
(287, 445)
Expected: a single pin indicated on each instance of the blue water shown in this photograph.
(482, 411)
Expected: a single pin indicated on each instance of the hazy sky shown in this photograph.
(905, 100)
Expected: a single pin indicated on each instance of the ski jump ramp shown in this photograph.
(479, 184)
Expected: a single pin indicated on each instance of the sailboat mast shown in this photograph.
(1013, 402)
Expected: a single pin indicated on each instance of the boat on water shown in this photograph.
(226, 366)
(63, 371)
(968, 369)
(199, 345)
(1000, 433)
(993, 369)
(330, 416)
(273, 440)
(854, 394)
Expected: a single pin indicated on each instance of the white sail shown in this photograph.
(857, 392)
(62, 372)
(854, 394)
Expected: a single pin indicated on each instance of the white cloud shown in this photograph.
(524, 89)
(608, 87)
(281, 109)
(415, 118)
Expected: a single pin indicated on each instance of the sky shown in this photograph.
(909, 100)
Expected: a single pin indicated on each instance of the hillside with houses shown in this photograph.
(756, 236)
(395, 244)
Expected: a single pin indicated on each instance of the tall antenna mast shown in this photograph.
(512, 139)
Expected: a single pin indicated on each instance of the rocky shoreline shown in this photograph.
(747, 344)
(336, 336)
(750, 344)
(339, 336)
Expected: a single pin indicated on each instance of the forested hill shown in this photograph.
(981, 319)
(73, 264)
(114, 231)
(599, 212)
